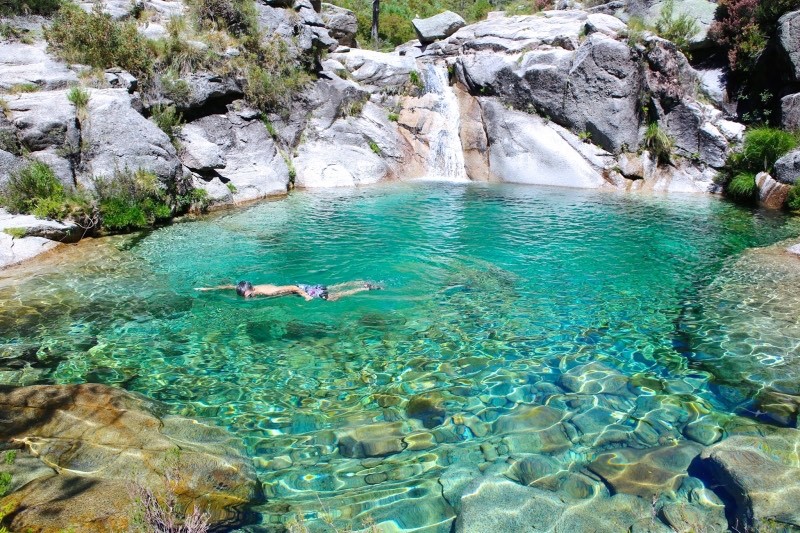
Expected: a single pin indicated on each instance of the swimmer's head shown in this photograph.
(244, 288)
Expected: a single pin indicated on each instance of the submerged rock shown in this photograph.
(762, 473)
(97, 442)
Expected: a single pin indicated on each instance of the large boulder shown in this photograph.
(95, 442)
(116, 137)
(523, 148)
(789, 37)
(787, 168)
(301, 28)
(236, 156)
(43, 119)
(437, 27)
(376, 70)
(594, 89)
(790, 112)
(341, 23)
(762, 473)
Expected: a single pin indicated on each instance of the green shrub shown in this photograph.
(237, 16)
(131, 200)
(168, 119)
(680, 29)
(743, 187)
(394, 117)
(97, 40)
(79, 97)
(762, 147)
(793, 198)
(30, 185)
(658, 143)
(274, 77)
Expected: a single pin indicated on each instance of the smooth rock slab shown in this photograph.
(99, 440)
(30, 64)
(762, 473)
(646, 472)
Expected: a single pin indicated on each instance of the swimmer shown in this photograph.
(309, 292)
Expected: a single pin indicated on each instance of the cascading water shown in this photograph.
(446, 158)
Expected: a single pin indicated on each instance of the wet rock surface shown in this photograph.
(82, 447)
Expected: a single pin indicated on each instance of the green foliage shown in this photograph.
(97, 40)
(658, 143)
(635, 31)
(585, 136)
(79, 97)
(131, 200)
(231, 187)
(237, 16)
(16, 233)
(793, 198)
(5, 483)
(394, 117)
(273, 77)
(30, 186)
(761, 148)
(680, 29)
(743, 187)
(168, 119)
(374, 146)
(270, 129)
(11, 456)
(28, 7)
(9, 142)
(415, 79)
(175, 88)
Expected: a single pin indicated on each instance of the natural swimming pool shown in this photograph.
(496, 298)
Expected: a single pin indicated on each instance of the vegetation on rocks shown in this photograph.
(97, 40)
(129, 200)
(679, 29)
(658, 143)
(761, 148)
(36, 190)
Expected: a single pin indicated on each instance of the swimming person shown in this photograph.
(309, 292)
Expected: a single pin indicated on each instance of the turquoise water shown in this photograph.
(495, 298)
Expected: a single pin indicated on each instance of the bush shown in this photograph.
(793, 198)
(658, 143)
(237, 16)
(97, 40)
(131, 200)
(762, 147)
(743, 187)
(168, 119)
(680, 29)
(30, 185)
(271, 82)
(35, 190)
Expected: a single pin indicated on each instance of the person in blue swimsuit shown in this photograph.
(309, 292)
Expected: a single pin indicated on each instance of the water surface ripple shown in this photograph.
(496, 299)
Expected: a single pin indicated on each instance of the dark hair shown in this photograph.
(242, 287)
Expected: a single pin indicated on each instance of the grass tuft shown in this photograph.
(658, 143)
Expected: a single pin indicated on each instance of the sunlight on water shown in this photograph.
(503, 306)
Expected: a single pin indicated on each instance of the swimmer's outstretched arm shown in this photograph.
(217, 288)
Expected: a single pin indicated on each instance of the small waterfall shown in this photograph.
(446, 158)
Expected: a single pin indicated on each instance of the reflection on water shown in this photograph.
(528, 332)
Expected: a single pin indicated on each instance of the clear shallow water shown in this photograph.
(496, 297)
